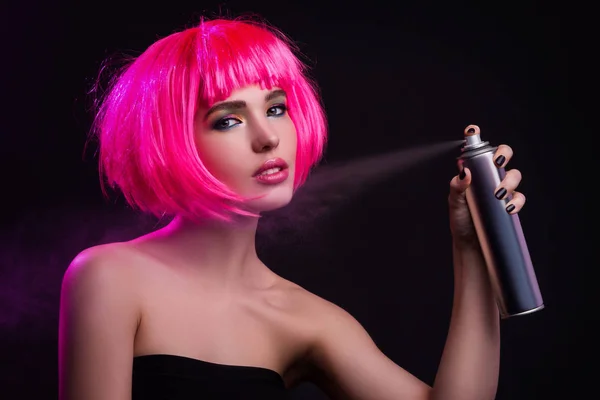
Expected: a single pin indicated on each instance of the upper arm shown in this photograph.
(349, 365)
(97, 326)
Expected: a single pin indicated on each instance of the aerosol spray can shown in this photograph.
(500, 234)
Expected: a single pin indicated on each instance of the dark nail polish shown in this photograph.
(462, 174)
(510, 207)
(500, 160)
(500, 193)
(471, 130)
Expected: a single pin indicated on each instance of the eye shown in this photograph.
(277, 110)
(226, 123)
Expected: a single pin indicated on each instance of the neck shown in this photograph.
(223, 252)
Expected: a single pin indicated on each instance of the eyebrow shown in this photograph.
(239, 104)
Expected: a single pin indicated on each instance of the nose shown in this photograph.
(265, 140)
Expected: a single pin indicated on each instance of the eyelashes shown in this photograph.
(225, 123)
(228, 122)
(281, 107)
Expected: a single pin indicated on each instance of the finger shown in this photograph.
(511, 181)
(503, 155)
(516, 203)
(461, 182)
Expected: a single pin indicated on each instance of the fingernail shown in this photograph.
(462, 174)
(500, 193)
(510, 207)
(500, 160)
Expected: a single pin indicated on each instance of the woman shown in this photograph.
(213, 126)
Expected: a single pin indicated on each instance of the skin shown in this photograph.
(200, 291)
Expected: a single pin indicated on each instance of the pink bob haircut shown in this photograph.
(145, 123)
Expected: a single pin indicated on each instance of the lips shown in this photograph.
(276, 164)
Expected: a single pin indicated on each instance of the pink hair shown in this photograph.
(146, 123)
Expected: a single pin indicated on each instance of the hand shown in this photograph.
(461, 224)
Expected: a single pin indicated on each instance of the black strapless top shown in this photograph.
(169, 377)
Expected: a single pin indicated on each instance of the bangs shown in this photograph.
(238, 54)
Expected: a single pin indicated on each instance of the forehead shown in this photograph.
(250, 94)
(253, 92)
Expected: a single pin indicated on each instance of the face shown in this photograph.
(248, 142)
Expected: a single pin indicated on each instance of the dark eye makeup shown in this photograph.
(228, 121)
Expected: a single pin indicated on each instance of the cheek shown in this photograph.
(223, 158)
(290, 137)
(293, 148)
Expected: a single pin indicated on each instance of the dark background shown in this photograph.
(392, 77)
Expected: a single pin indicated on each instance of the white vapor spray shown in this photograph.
(333, 184)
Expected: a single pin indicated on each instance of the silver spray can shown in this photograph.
(500, 234)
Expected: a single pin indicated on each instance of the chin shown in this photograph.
(272, 200)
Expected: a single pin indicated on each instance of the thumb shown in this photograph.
(459, 184)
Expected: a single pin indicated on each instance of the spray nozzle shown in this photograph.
(473, 138)
(472, 130)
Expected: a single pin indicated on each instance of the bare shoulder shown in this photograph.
(344, 361)
(99, 279)
(328, 331)
(99, 316)
(333, 326)
(323, 320)
(102, 285)
(95, 255)
(96, 266)
(320, 310)
(102, 255)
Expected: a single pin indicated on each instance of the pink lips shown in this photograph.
(272, 177)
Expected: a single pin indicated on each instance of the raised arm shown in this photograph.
(470, 363)
(348, 365)
(98, 322)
